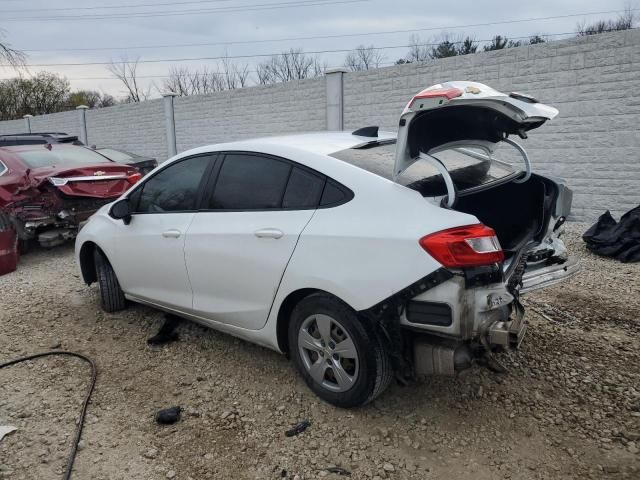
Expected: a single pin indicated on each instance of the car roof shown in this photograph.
(323, 143)
(39, 146)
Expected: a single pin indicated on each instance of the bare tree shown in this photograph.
(625, 21)
(126, 72)
(418, 51)
(13, 57)
(293, 64)
(228, 76)
(363, 58)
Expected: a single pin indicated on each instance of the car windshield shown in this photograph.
(60, 157)
(469, 167)
(115, 155)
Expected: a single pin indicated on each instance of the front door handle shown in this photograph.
(269, 233)
(173, 233)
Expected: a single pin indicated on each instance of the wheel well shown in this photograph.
(87, 262)
(284, 315)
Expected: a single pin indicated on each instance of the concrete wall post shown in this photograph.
(82, 115)
(335, 98)
(170, 121)
(27, 123)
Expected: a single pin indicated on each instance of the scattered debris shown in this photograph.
(339, 471)
(168, 416)
(167, 332)
(298, 428)
(620, 240)
(6, 430)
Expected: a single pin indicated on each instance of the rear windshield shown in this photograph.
(60, 157)
(116, 155)
(468, 167)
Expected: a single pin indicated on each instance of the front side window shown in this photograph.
(174, 189)
(3, 168)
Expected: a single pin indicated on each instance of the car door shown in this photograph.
(150, 249)
(237, 250)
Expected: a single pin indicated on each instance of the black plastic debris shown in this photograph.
(619, 240)
(298, 428)
(168, 416)
(167, 332)
(338, 471)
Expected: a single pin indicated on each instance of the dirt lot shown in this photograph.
(568, 408)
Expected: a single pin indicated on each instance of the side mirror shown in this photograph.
(121, 210)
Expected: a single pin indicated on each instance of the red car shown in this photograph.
(47, 190)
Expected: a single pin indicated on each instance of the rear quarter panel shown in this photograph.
(367, 249)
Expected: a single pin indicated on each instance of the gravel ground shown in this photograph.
(568, 408)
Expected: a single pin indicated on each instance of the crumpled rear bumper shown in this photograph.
(545, 276)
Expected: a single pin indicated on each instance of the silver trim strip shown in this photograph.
(91, 178)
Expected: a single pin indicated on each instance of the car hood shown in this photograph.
(464, 114)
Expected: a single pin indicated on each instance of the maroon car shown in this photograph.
(47, 190)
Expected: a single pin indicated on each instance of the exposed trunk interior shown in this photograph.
(518, 212)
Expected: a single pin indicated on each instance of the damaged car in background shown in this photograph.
(362, 255)
(47, 190)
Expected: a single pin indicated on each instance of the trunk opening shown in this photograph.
(519, 213)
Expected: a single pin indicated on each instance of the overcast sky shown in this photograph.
(49, 39)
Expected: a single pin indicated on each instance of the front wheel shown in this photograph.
(111, 295)
(339, 357)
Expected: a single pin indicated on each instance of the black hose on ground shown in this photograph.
(87, 396)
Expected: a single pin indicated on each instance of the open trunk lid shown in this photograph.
(463, 115)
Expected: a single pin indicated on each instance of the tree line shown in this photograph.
(47, 92)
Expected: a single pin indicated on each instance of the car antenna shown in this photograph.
(366, 131)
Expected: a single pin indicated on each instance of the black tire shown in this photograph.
(111, 295)
(374, 372)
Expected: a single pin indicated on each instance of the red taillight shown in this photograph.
(467, 246)
(134, 177)
(448, 93)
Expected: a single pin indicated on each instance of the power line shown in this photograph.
(106, 7)
(317, 37)
(230, 9)
(225, 57)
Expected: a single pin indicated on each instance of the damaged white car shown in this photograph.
(363, 255)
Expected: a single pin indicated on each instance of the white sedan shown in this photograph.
(362, 255)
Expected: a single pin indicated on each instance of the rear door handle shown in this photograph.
(173, 233)
(269, 233)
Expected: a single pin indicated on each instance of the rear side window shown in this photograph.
(3, 168)
(174, 189)
(334, 194)
(303, 190)
(250, 182)
(258, 182)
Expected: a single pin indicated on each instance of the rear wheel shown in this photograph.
(111, 295)
(341, 360)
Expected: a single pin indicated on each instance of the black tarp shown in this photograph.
(620, 240)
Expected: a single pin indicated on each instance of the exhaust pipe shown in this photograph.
(432, 359)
